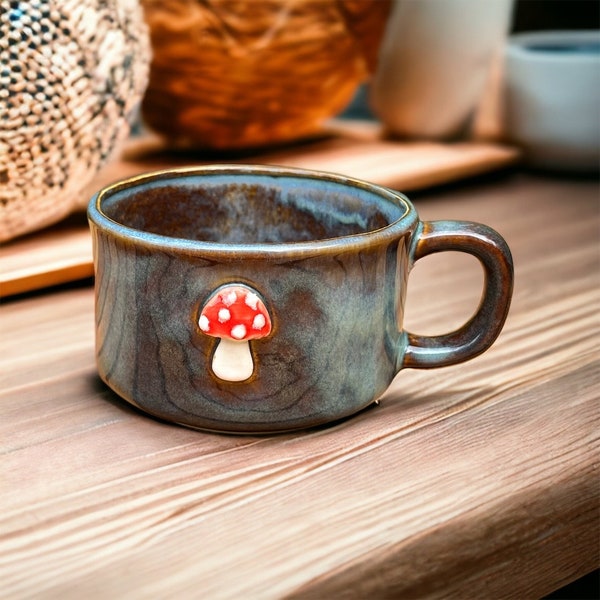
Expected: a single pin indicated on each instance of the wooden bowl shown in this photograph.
(235, 74)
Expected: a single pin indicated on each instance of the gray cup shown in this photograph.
(259, 299)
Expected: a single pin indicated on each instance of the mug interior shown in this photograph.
(251, 208)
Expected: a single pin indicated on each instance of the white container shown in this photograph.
(433, 64)
(552, 98)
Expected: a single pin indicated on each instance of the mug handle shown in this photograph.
(479, 332)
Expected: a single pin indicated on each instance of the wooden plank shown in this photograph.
(52, 256)
(475, 481)
(63, 252)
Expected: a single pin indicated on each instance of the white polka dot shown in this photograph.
(238, 332)
(259, 322)
(252, 300)
(203, 322)
(224, 315)
(229, 298)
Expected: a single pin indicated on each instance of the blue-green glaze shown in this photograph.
(329, 255)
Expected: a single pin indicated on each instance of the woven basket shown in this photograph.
(234, 74)
(71, 77)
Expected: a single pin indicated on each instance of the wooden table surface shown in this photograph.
(477, 481)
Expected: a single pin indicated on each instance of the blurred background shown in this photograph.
(228, 80)
(527, 15)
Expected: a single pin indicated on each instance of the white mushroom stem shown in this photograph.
(232, 360)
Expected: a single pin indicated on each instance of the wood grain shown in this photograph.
(63, 253)
(475, 481)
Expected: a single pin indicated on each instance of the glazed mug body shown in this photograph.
(326, 257)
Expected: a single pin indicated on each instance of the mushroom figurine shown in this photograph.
(236, 315)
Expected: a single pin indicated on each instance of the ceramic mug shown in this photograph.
(261, 299)
(551, 98)
(434, 62)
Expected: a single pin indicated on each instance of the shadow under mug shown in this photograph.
(260, 299)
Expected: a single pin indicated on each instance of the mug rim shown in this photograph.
(522, 46)
(352, 242)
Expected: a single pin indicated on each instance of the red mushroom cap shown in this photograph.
(235, 312)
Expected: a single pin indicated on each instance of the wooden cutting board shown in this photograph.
(63, 253)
